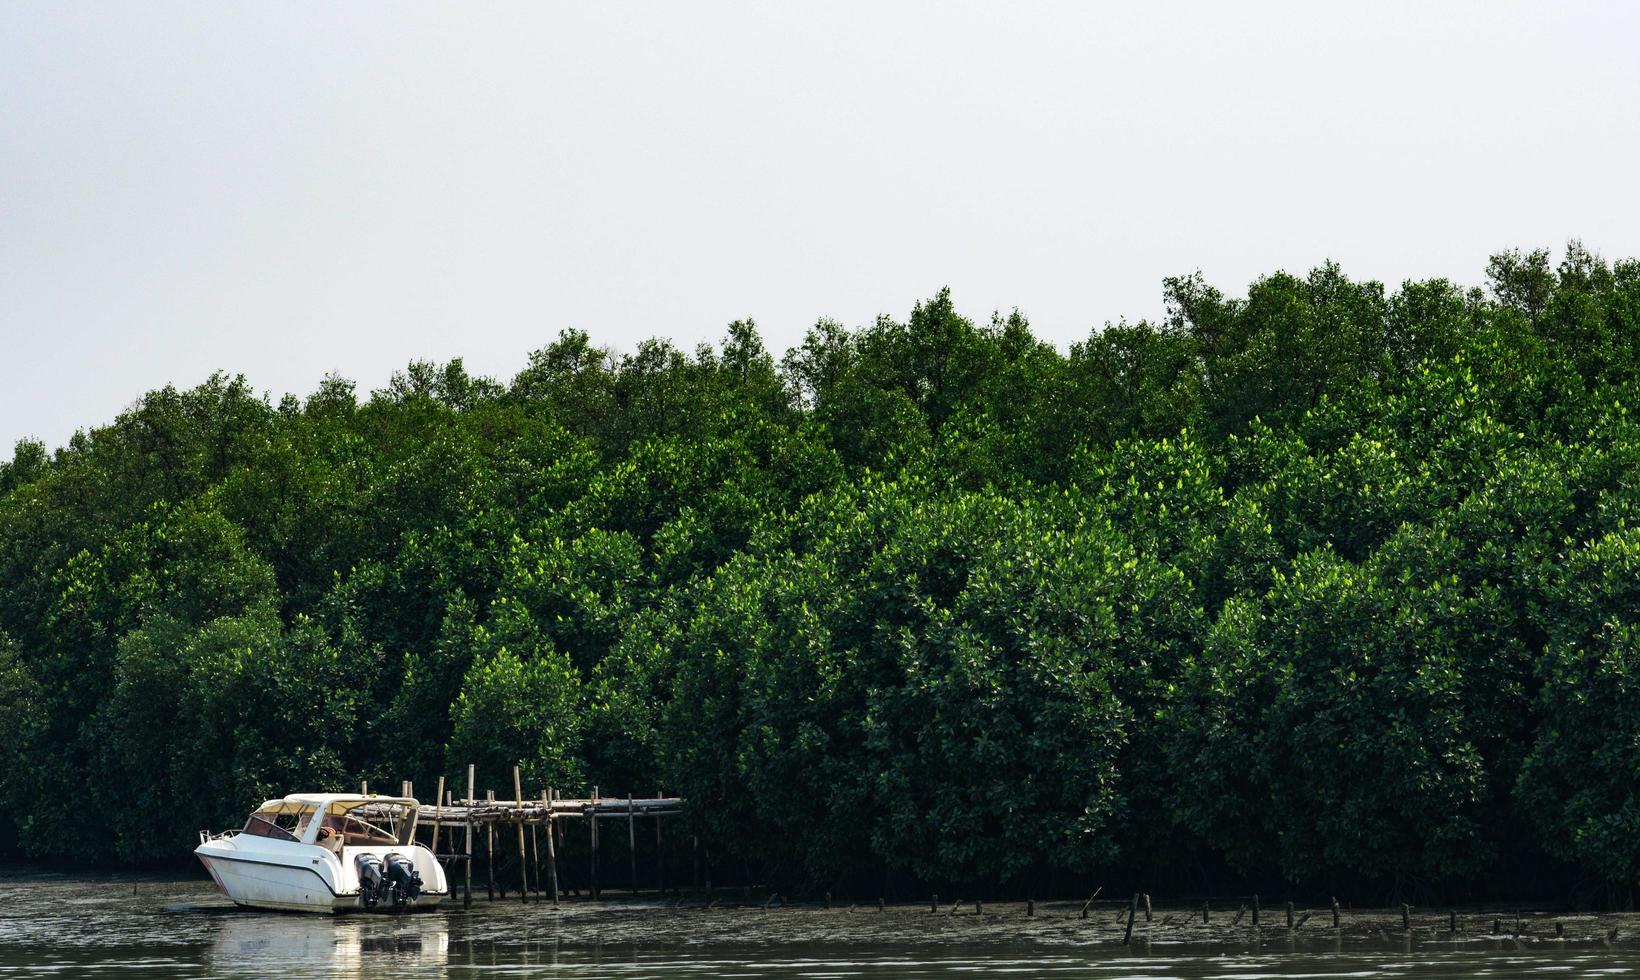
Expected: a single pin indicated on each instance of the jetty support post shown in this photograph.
(523, 855)
(489, 849)
(552, 852)
(593, 821)
(438, 814)
(467, 869)
(660, 855)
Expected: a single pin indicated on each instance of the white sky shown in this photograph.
(283, 190)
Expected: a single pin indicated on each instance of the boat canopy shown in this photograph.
(360, 820)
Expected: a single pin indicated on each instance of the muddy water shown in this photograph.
(56, 926)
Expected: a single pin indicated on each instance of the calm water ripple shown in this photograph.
(120, 927)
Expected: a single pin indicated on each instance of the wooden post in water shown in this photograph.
(523, 856)
(1133, 907)
(467, 897)
(1289, 915)
(695, 847)
(631, 845)
(1335, 911)
(594, 822)
(1030, 908)
(1406, 916)
(934, 904)
(552, 852)
(660, 855)
(1204, 913)
(1095, 895)
(1452, 921)
(535, 860)
(489, 849)
(1147, 907)
(1255, 911)
(438, 812)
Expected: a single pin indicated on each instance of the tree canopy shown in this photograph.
(1329, 582)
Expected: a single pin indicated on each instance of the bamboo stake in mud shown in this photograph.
(631, 845)
(593, 885)
(660, 856)
(467, 897)
(1239, 913)
(523, 857)
(1085, 904)
(489, 849)
(438, 812)
(552, 852)
(535, 859)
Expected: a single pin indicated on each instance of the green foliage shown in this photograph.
(1326, 582)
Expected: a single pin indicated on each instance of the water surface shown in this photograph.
(65, 926)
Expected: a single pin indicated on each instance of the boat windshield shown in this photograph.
(281, 820)
(368, 822)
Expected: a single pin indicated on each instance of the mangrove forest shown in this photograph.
(1322, 587)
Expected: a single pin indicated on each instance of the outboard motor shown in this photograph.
(372, 879)
(404, 878)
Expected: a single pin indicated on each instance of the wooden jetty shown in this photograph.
(458, 823)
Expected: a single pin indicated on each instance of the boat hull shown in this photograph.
(302, 882)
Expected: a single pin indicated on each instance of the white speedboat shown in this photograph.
(330, 852)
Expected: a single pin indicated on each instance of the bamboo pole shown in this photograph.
(438, 812)
(631, 845)
(523, 857)
(535, 858)
(489, 847)
(552, 852)
(467, 870)
(660, 862)
(593, 821)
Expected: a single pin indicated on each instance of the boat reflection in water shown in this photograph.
(257, 944)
